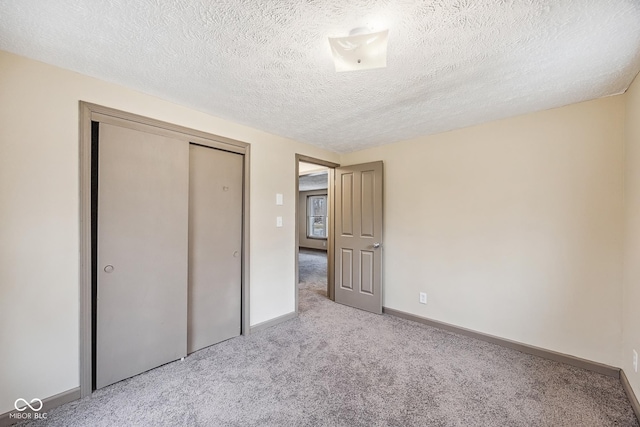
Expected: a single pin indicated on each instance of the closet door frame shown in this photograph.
(96, 113)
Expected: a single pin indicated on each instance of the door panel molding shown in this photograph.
(346, 267)
(367, 204)
(89, 112)
(367, 263)
(346, 204)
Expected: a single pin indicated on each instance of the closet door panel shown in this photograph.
(215, 246)
(142, 248)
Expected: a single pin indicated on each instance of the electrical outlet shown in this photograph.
(635, 361)
(278, 221)
(423, 298)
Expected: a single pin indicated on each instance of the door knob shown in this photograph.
(376, 245)
(108, 268)
(235, 254)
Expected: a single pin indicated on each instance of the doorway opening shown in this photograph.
(313, 211)
(314, 227)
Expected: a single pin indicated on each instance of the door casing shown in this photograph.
(89, 113)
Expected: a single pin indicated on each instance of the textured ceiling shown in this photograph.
(267, 63)
(314, 181)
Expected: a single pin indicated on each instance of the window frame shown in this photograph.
(308, 216)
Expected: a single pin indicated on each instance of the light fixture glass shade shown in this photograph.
(360, 52)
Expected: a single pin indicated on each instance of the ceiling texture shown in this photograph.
(314, 181)
(268, 64)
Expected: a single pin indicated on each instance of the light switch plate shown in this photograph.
(278, 221)
(279, 199)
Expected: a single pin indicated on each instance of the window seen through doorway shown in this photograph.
(317, 217)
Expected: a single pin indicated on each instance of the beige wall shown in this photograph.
(631, 291)
(39, 318)
(305, 242)
(513, 228)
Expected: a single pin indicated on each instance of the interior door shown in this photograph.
(215, 246)
(358, 236)
(143, 188)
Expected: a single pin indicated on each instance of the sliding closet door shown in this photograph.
(215, 246)
(143, 188)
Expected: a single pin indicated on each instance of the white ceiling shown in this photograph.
(312, 177)
(267, 63)
(314, 181)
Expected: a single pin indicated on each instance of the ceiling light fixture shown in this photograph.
(360, 50)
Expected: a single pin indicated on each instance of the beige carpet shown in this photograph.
(337, 366)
